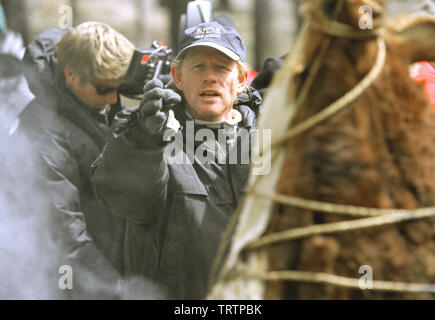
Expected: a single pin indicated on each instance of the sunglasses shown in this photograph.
(102, 91)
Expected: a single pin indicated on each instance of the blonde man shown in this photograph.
(94, 59)
(75, 77)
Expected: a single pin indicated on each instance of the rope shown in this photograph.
(341, 30)
(342, 102)
(343, 226)
(325, 278)
(318, 60)
(334, 208)
(378, 217)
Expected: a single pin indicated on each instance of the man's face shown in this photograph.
(210, 83)
(98, 95)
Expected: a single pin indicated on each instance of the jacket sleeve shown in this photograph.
(60, 181)
(130, 176)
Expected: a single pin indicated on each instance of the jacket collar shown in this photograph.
(246, 120)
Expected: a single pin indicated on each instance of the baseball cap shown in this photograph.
(212, 34)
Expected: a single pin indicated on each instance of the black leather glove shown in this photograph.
(155, 104)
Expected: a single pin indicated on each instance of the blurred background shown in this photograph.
(268, 26)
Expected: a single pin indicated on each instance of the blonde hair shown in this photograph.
(95, 51)
(243, 67)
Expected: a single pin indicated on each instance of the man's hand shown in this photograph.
(154, 107)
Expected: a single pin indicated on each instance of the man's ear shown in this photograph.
(71, 76)
(243, 82)
(176, 77)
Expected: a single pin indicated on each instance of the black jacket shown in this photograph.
(66, 137)
(176, 212)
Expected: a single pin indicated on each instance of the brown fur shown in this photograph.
(378, 152)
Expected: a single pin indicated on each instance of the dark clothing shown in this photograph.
(264, 78)
(176, 212)
(66, 136)
(252, 98)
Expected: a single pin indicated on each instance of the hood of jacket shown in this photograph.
(40, 61)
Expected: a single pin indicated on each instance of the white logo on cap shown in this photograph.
(208, 32)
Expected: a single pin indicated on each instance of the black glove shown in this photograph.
(155, 104)
(251, 97)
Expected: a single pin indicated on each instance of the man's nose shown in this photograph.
(210, 76)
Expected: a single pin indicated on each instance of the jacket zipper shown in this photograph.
(228, 166)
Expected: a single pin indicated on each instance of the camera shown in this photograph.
(155, 62)
(146, 64)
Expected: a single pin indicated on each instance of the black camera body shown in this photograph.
(146, 64)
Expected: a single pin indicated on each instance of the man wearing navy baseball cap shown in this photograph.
(210, 50)
(176, 168)
(214, 35)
